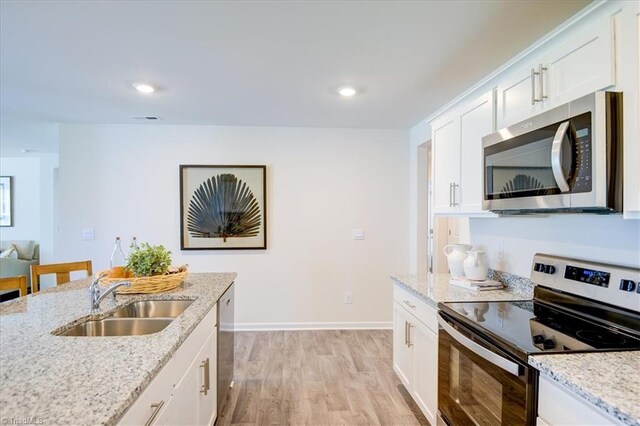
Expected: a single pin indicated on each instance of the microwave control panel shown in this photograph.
(582, 155)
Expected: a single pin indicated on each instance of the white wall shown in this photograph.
(322, 183)
(608, 239)
(419, 134)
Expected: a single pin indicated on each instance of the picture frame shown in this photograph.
(223, 207)
(6, 201)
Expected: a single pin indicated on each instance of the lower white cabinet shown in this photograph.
(415, 350)
(557, 406)
(184, 391)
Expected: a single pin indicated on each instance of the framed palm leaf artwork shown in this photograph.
(223, 207)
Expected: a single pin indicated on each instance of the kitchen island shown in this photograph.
(51, 379)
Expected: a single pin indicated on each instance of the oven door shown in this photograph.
(478, 384)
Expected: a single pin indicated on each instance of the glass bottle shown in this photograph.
(134, 245)
(117, 261)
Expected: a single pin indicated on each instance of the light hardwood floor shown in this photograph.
(336, 377)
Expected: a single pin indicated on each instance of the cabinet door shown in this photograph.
(446, 163)
(514, 95)
(402, 353)
(425, 366)
(207, 409)
(580, 65)
(189, 405)
(476, 121)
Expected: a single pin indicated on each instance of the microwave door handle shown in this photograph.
(493, 358)
(556, 156)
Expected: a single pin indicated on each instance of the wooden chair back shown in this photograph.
(15, 283)
(62, 271)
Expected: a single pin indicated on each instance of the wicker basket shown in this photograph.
(147, 285)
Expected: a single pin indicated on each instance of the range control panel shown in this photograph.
(612, 284)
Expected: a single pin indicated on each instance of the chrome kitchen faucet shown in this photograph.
(96, 295)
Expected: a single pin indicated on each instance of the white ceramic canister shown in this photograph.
(456, 254)
(474, 265)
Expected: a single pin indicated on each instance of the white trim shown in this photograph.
(375, 325)
(513, 61)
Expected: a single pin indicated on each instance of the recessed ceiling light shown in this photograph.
(347, 91)
(144, 87)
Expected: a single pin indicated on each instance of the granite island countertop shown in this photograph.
(609, 381)
(436, 288)
(52, 379)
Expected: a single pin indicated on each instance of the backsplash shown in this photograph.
(514, 282)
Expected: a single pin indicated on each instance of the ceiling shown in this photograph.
(258, 63)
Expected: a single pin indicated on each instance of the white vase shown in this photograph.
(456, 254)
(474, 266)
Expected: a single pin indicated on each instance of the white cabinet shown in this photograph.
(557, 406)
(415, 350)
(176, 396)
(457, 157)
(446, 163)
(581, 63)
(425, 364)
(476, 121)
(193, 400)
(402, 352)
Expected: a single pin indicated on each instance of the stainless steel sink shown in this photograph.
(153, 309)
(119, 327)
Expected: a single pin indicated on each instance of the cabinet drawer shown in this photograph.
(416, 306)
(557, 406)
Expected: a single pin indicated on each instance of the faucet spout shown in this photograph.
(96, 295)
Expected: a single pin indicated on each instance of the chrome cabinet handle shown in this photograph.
(206, 387)
(409, 343)
(482, 352)
(533, 86)
(556, 156)
(409, 304)
(453, 202)
(406, 340)
(450, 194)
(541, 70)
(156, 409)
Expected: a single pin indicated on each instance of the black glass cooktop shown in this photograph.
(532, 327)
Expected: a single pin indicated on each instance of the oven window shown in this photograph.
(478, 394)
(521, 166)
(472, 390)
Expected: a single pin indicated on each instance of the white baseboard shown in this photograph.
(379, 325)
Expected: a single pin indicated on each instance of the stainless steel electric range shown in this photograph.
(483, 347)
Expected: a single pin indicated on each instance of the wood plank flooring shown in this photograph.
(334, 377)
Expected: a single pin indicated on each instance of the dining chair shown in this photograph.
(62, 271)
(15, 283)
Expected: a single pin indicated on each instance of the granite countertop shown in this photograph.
(608, 380)
(51, 379)
(436, 288)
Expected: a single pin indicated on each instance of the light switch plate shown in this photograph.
(358, 234)
(88, 234)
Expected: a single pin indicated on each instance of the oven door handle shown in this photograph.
(556, 156)
(484, 353)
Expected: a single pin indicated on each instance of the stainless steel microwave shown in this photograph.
(568, 159)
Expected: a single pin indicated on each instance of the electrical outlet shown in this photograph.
(88, 234)
(348, 298)
(358, 234)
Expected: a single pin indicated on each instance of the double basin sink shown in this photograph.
(135, 319)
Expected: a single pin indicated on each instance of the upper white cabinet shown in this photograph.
(446, 163)
(581, 63)
(457, 156)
